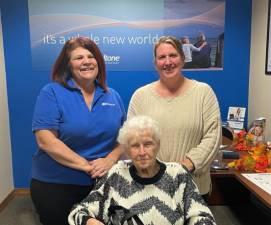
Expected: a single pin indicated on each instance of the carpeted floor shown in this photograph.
(20, 211)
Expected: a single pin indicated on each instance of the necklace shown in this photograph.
(170, 99)
(171, 92)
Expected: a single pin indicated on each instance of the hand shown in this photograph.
(93, 221)
(86, 167)
(188, 164)
(99, 167)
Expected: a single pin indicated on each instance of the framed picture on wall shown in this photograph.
(268, 44)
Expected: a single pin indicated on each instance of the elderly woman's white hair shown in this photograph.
(136, 125)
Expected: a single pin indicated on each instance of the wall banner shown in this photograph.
(125, 30)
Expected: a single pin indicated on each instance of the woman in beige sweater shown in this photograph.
(187, 110)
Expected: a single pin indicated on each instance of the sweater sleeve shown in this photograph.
(134, 105)
(195, 209)
(204, 153)
(93, 206)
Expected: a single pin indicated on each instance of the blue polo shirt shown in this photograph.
(89, 131)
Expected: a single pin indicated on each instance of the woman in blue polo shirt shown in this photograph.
(76, 122)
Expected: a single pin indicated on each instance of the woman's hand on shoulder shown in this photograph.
(187, 163)
(93, 221)
(99, 167)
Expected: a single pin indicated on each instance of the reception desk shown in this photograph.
(230, 187)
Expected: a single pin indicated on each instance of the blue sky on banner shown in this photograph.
(125, 30)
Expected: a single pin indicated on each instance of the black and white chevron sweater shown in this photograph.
(170, 197)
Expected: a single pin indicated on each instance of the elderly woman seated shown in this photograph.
(159, 193)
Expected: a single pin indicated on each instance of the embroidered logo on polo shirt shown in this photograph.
(107, 103)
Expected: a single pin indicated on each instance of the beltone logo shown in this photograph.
(112, 59)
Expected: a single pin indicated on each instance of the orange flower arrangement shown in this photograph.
(257, 160)
(243, 141)
(239, 141)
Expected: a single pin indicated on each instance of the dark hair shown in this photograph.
(61, 69)
(169, 40)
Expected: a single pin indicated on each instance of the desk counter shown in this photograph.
(225, 189)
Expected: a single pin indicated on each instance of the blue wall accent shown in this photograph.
(230, 85)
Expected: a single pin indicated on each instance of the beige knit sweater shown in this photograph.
(190, 123)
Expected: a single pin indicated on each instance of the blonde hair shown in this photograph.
(169, 40)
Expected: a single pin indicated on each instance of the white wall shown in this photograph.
(259, 83)
(6, 177)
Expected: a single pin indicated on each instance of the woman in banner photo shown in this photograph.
(188, 48)
(157, 192)
(187, 111)
(76, 122)
(202, 58)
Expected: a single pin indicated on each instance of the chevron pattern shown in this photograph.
(171, 197)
